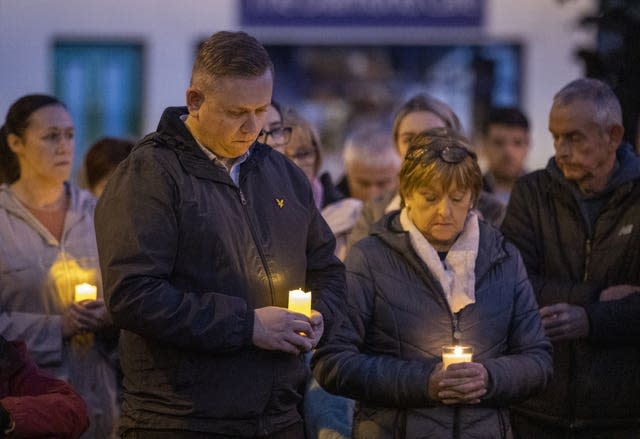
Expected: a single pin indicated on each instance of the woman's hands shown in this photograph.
(86, 316)
(461, 383)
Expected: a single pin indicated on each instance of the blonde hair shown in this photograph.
(426, 102)
(291, 118)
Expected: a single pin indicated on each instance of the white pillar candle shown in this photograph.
(456, 354)
(299, 301)
(86, 292)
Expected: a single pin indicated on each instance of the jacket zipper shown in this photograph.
(455, 434)
(572, 347)
(456, 334)
(263, 258)
(587, 258)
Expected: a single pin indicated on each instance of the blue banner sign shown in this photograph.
(362, 12)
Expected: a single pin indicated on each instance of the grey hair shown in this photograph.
(372, 146)
(598, 94)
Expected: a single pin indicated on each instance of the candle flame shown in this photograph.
(457, 350)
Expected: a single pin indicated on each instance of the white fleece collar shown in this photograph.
(457, 273)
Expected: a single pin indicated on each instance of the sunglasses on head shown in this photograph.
(447, 153)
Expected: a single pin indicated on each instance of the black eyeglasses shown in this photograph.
(278, 134)
(448, 153)
(302, 155)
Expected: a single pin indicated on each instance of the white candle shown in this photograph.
(86, 292)
(299, 301)
(456, 354)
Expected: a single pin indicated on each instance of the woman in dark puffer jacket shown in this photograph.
(433, 274)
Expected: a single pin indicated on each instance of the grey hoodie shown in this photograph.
(38, 275)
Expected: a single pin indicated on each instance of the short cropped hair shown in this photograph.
(603, 100)
(509, 116)
(235, 54)
(372, 146)
(426, 102)
(424, 164)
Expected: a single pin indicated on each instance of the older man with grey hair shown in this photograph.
(371, 163)
(577, 225)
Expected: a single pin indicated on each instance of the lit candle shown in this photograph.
(456, 354)
(299, 301)
(86, 292)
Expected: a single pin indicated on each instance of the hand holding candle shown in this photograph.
(465, 383)
(300, 302)
(85, 292)
(456, 354)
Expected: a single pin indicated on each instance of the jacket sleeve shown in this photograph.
(43, 406)
(137, 233)
(343, 366)
(361, 228)
(42, 333)
(371, 212)
(527, 367)
(522, 226)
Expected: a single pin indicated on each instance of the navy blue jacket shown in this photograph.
(383, 355)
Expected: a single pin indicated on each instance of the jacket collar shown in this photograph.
(173, 133)
(490, 250)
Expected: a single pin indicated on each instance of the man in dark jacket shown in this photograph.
(577, 225)
(202, 232)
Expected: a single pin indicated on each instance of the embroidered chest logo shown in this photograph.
(625, 230)
(280, 202)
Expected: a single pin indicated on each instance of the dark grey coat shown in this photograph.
(186, 256)
(399, 319)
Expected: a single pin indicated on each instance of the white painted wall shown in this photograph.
(169, 29)
(549, 28)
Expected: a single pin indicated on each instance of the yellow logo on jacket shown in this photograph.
(280, 202)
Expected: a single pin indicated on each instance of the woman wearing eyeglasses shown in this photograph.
(325, 415)
(433, 274)
(274, 133)
(303, 147)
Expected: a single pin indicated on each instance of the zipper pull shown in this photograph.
(587, 252)
(457, 334)
(243, 200)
